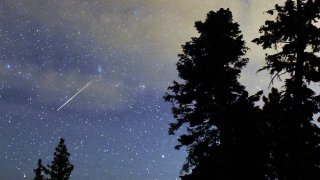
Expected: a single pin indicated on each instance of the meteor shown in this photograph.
(76, 94)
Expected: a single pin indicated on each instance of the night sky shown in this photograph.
(117, 127)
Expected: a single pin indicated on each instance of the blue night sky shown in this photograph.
(117, 127)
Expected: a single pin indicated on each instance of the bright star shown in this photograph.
(99, 69)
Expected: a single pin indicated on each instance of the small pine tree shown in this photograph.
(61, 167)
(39, 171)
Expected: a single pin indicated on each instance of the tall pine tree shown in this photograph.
(222, 122)
(61, 167)
(295, 143)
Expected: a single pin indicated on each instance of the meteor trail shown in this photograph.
(76, 94)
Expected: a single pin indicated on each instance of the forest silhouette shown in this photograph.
(228, 136)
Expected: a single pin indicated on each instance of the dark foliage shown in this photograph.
(293, 149)
(293, 139)
(39, 171)
(222, 139)
(61, 167)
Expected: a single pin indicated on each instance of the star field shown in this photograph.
(116, 128)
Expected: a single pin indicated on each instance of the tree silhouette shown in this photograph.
(39, 171)
(294, 139)
(273, 113)
(222, 136)
(61, 167)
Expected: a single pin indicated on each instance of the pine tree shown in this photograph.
(61, 167)
(222, 136)
(39, 171)
(294, 139)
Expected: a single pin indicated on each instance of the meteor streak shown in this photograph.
(76, 94)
